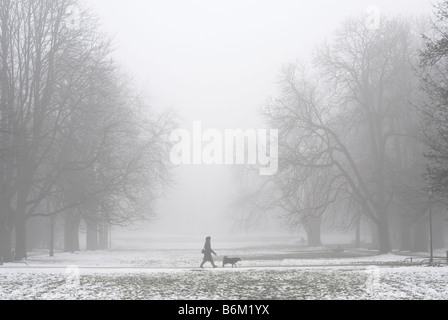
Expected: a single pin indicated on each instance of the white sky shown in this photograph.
(217, 61)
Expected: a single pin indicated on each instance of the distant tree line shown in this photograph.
(77, 144)
(363, 135)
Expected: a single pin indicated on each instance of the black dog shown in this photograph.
(231, 261)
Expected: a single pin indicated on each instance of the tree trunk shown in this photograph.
(68, 236)
(5, 244)
(75, 233)
(383, 233)
(24, 186)
(92, 233)
(103, 235)
(438, 232)
(20, 227)
(52, 222)
(312, 227)
(71, 237)
(374, 235)
(420, 243)
(405, 234)
(382, 221)
(358, 233)
(110, 237)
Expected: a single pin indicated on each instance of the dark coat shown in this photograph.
(208, 251)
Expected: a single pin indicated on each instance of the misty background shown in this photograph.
(90, 92)
(218, 62)
(352, 94)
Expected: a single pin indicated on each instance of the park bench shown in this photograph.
(436, 262)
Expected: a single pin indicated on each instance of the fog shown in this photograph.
(308, 139)
(218, 62)
(320, 118)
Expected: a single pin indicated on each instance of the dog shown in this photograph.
(232, 261)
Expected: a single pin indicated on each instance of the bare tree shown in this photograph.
(72, 131)
(434, 66)
(342, 119)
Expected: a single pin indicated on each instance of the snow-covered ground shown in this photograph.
(169, 270)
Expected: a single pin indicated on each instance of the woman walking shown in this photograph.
(207, 251)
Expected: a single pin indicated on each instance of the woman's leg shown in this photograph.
(208, 260)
